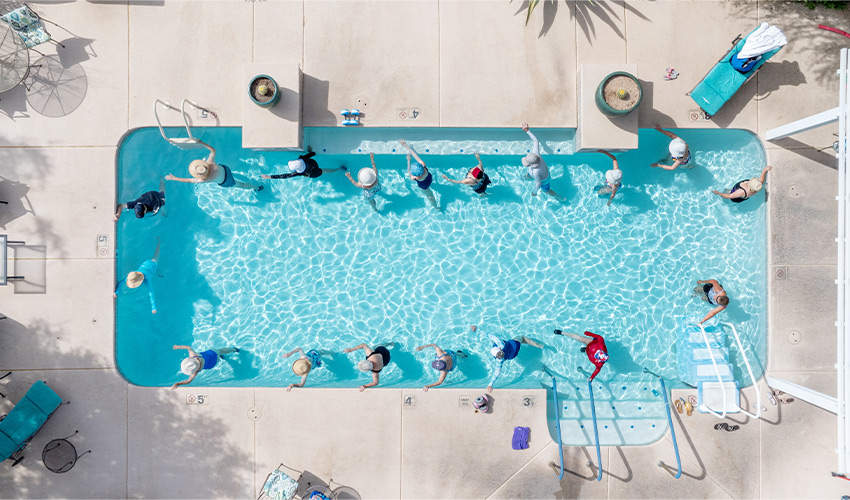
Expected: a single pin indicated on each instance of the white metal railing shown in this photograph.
(841, 323)
(181, 142)
(757, 414)
(716, 372)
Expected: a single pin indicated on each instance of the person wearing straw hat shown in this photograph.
(144, 274)
(302, 366)
(444, 362)
(376, 360)
(208, 170)
(745, 188)
(537, 168)
(504, 350)
(367, 179)
(679, 151)
(304, 166)
(420, 173)
(196, 362)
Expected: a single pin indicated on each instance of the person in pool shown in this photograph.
(612, 177)
(504, 350)
(209, 171)
(148, 204)
(374, 362)
(678, 150)
(206, 360)
(475, 178)
(367, 179)
(594, 347)
(303, 365)
(304, 166)
(537, 168)
(144, 274)
(444, 362)
(712, 292)
(420, 173)
(745, 188)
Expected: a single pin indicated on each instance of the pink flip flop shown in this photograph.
(672, 74)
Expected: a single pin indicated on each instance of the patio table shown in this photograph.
(14, 58)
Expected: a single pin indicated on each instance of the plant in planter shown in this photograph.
(264, 91)
(619, 94)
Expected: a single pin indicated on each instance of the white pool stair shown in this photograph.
(189, 142)
(703, 362)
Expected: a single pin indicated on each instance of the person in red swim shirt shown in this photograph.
(594, 347)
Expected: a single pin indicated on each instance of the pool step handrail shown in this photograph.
(189, 142)
(716, 372)
(595, 427)
(757, 414)
(557, 420)
(669, 421)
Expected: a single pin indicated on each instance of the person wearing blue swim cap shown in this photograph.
(444, 362)
(420, 173)
(503, 350)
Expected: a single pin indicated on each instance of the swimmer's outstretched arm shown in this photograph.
(299, 384)
(348, 174)
(190, 180)
(373, 383)
(415, 156)
(293, 352)
(764, 172)
(712, 313)
(535, 148)
(185, 382)
(211, 157)
(374, 167)
(438, 382)
(674, 166)
(666, 132)
(360, 346)
(738, 193)
(118, 210)
(187, 347)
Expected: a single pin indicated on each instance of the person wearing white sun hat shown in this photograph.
(679, 151)
(745, 188)
(304, 166)
(367, 179)
(613, 177)
(196, 362)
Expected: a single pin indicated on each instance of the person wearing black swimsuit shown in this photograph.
(745, 188)
(304, 166)
(375, 361)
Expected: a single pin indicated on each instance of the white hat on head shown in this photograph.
(367, 176)
(134, 279)
(614, 176)
(530, 160)
(199, 169)
(190, 366)
(678, 147)
(298, 166)
(755, 185)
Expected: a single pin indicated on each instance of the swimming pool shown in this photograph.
(306, 263)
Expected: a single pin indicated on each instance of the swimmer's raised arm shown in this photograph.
(415, 156)
(374, 167)
(293, 352)
(352, 349)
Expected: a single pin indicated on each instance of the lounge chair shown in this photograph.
(30, 26)
(279, 485)
(723, 81)
(26, 419)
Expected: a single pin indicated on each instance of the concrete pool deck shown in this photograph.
(382, 56)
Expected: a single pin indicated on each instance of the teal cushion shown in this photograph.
(43, 397)
(7, 446)
(23, 421)
(21, 18)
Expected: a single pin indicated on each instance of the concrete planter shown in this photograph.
(619, 94)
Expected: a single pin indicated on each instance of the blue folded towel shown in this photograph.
(520, 440)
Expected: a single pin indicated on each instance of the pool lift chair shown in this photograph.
(703, 362)
(189, 142)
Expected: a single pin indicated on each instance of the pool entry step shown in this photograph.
(628, 413)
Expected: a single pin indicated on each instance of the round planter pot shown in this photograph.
(619, 94)
(264, 91)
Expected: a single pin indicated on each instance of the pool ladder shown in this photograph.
(189, 142)
(669, 421)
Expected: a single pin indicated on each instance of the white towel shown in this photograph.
(761, 41)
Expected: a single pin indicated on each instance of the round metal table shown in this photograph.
(14, 58)
(60, 455)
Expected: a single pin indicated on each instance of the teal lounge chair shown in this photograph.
(722, 81)
(26, 419)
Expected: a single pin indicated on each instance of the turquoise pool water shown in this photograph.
(306, 263)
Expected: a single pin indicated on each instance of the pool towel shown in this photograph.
(520, 440)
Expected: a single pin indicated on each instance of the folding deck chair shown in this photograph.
(723, 81)
(26, 419)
